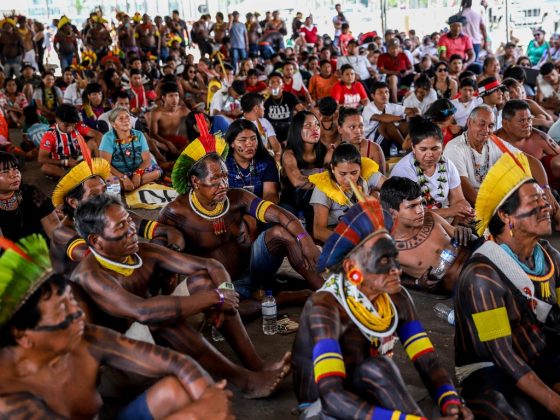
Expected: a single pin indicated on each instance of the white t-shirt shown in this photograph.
(72, 95)
(459, 152)
(464, 109)
(405, 168)
(221, 101)
(370, 109)
(360, 64)
(411, 101)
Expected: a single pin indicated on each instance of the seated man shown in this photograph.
(517, 129)
(548, 92)
(477, 149)
(385, 123)
(50, 359)
(118, 277)
(226, 101)
(422, 237)
(165, 120)
(506, 303)
(76, 187)
(342, 353)
(214, 220)
(60, 149)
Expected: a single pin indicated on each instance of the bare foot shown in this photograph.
(262, 384)
(286, 360)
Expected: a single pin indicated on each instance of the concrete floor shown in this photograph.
(283, 402)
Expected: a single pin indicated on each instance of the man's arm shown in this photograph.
(470, 57)
(49, 223)
(24, 405)
(146, 359)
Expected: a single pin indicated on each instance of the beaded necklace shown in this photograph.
(427, 197)
(249, 175)
(480, 171)
(215, 216)
(125, 154)
(11, 203)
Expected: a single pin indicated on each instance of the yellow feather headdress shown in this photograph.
(325, 183)
(9, 20)
(63, 21)
(501, 181)
(205, 143)
(77, 175)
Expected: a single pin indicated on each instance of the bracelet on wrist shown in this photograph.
(222, 298)
(300, 236)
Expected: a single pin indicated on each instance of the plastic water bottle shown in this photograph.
(446, 259)
(114, 186)
(394, 150)
(269, 314)
(445, 312)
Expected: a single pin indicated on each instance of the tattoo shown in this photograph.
(25, 405)
(420, 237)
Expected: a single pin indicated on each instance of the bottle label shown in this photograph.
(269, 310)
(447, 256)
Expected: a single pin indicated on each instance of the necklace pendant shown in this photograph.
(127, 152)
(219, 226)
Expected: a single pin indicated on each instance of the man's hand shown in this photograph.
(231, 300)
(462, 210)
(455, 411)
(214, 403)
(462, 235)
(310, 252)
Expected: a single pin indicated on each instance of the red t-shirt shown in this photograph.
(348, 97)
(344, 40)
(288, 87)
(459, 45)
(388, 62)
(309, 34)
(259, 87)
(61, 145)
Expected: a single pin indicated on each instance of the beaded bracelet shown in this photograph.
(300, 236)
(222, 298)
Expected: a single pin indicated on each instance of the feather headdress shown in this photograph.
(205, 143)
(502, 180)
(24, 267)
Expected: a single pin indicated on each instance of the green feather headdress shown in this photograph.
(206, 143)
(23, 269)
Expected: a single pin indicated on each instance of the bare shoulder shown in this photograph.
(24, 405)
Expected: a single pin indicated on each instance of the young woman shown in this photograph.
(441, 112)
(537, 46)
(351, 130)
(249, 164)
(444, 85)
(348, 92)
(304, 156)
(438, 177)
(333, 196)
(12, 101)
(48, 97)
(194, 87)
(127, 151)
(490, 68)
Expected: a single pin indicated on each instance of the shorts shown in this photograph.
(136, 410)
(262, 266)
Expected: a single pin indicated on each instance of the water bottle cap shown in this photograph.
(268, 292)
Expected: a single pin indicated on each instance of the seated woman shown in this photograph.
(12, 101)
(333, 196)
(441, 112)
(444, 85)
(47, 97)
(127, 151)
(490, 68)
(438, 177)
(249, 164)
(304, 156)
(194, 87)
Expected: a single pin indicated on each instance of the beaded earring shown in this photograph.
(511, 229)
(355, 276)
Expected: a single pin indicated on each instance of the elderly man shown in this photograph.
(518, 130)
(78, 185)
(50, 359)
(118, 277)
(456, 42)
(216, 221)
(477, 149)
(507, 313)
(348, 328)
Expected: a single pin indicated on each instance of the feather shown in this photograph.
(7, 244)
(85, 151)
(208, 141)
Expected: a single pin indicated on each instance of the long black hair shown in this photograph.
(344, 153)
(53, 88)
(237, 127)
(295, 141)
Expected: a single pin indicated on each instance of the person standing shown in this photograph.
(239, 39)
(11, 48)
(474, 27)
(456, 42)
(337, 21)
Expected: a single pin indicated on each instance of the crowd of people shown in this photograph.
(363, 160)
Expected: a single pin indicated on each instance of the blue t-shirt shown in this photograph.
(36, 131)
(263, 171)
(126, 157)
(237, 35)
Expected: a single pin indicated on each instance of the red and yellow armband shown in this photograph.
(384, 414)
(71, 246)
(445, 395)
(327, 360)
(258, 208)
(414, 339)
(147, 229)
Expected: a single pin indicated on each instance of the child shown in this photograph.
(423, 96)
(466, 102)
(252, 82)
(348, 92)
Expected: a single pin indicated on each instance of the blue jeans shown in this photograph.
(263, 266)
(12, 67)
(476, 50)
(66, 61)
(266, 51)
(237, 54)
(136, 410)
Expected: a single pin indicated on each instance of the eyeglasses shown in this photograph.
(442, 70)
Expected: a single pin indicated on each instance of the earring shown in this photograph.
(355, 276)
(511, 229)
